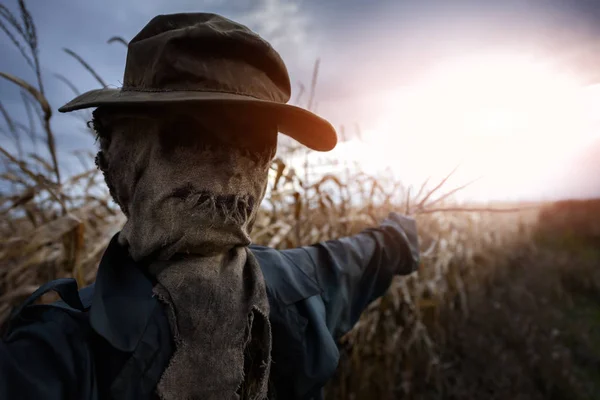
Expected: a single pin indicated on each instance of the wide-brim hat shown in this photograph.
(207, 59)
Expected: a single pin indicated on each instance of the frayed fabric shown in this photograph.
(257, 356)
(219, 312)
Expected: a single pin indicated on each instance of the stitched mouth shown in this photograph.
(236, 207)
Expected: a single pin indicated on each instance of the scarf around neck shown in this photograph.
(219, 316)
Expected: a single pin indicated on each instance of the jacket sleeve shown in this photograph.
(46, 358)
(353, 271)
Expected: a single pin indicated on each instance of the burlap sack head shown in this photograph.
(190, 184)
(176, 170)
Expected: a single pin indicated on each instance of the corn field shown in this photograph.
(492, 313)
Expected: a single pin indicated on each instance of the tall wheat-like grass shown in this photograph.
(486, 278)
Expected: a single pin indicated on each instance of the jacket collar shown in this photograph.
(123, 300)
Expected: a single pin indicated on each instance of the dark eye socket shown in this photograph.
(185, 131)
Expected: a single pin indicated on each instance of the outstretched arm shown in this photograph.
(353, 271)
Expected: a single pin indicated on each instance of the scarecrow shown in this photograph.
(183, 306)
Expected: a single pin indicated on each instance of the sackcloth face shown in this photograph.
(191, 188)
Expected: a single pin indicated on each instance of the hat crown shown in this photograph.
(206, 52)
(203, 58)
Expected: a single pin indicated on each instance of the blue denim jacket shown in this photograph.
(112, 339)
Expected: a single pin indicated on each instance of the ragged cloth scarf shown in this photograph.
(218, 312)
(190, 207)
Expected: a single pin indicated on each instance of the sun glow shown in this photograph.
(509, 119)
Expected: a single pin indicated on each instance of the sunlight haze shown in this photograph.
(509, 120)
(508, 90)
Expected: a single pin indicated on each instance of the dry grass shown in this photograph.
(488, 316)
(502, 306)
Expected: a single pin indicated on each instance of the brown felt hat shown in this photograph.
(208, 59)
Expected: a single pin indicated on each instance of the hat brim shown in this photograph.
(298, 123)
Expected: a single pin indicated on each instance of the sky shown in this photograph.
(507, 89)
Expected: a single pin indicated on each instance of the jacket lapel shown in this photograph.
(123, 301)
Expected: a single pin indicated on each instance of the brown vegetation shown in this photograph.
(503, 306)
